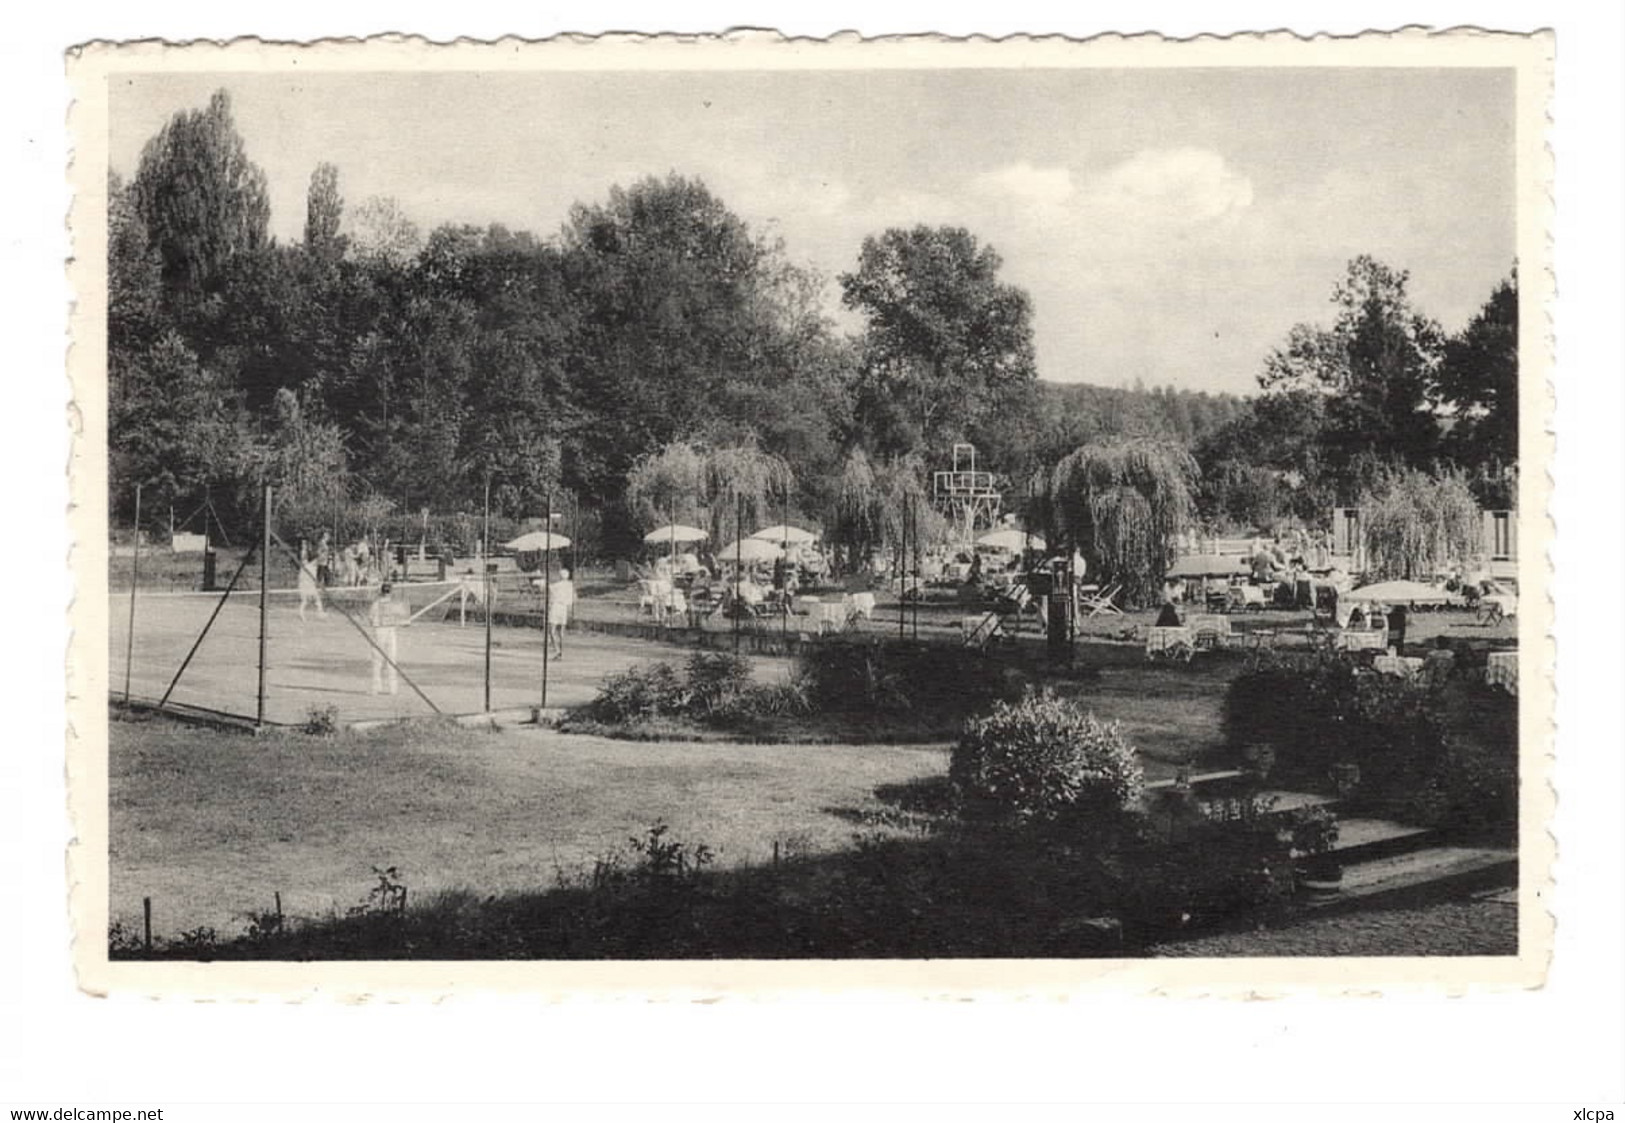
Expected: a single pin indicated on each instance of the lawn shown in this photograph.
(210, 825)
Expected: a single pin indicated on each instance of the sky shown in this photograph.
(1170, 225)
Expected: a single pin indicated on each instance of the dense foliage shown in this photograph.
(868, 676)
(407, 371)
(1407, 740)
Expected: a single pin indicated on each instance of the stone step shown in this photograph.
(1422, 873)
(1363, 840)
(1297, 801)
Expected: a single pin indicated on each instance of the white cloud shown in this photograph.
(1169, 186)
(1027, 184)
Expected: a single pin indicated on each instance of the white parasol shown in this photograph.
(1402, 592)
(1208, 565)
(749, 550)
(1012, 540)
(537, 541)
(676, 532)
(784, 533)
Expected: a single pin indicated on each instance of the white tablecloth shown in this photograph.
(1502, 670)
(1359, 640)
(828, 615)
(1247, 596)
(1165, 639)
(1209, 628)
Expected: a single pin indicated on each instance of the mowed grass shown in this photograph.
(211, 825)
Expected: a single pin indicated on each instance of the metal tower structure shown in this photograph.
(967, 497)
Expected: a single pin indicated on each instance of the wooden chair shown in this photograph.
(1100, 601)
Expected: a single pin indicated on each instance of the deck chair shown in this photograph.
(979, 631)
(1495, 607)
(647, 600)
(1100, 601)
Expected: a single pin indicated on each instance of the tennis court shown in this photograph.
(325, 660)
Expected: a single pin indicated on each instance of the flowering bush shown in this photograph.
(1041, 757)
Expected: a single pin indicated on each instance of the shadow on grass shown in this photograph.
(944, 888)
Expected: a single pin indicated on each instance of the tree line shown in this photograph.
(369, 367)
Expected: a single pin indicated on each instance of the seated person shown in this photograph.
(1262, 567)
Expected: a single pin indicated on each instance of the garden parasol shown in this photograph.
(751, 550)
(537, 541)
(1012, 540)
(783, 533)
(1402, 592)
(1208, 565)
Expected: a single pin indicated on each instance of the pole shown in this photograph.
(902, 569)
(914, 520)
(547, 581)
(784, 548)
(365, 631)
(135, 573)
(485, 576)
(265, 588)
(198, 642)
(1026, 548)
(739, 559)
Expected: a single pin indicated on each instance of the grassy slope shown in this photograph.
(209, 825)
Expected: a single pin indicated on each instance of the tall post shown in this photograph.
(485, 576)
(1026, 548)
(739, 559)
(547, 581)
(784, 548)
(914, 521)
(265, 589)
(135, 574)
(902, 569)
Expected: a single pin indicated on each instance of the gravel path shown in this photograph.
(1480, 927)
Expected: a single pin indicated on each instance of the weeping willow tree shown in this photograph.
(857, 523)
(873, 501)
(1414, 524)
(667, 486)
(901, 487)
(709, 487)
(744, 480)
(1121, 502)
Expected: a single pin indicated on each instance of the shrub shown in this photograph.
(715, 680)
(1381, 743)
(1217, 874)
(1041, 757)
(845, 676)
(711, 685)
(640, 692)
(321, 721)
(763, 700)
